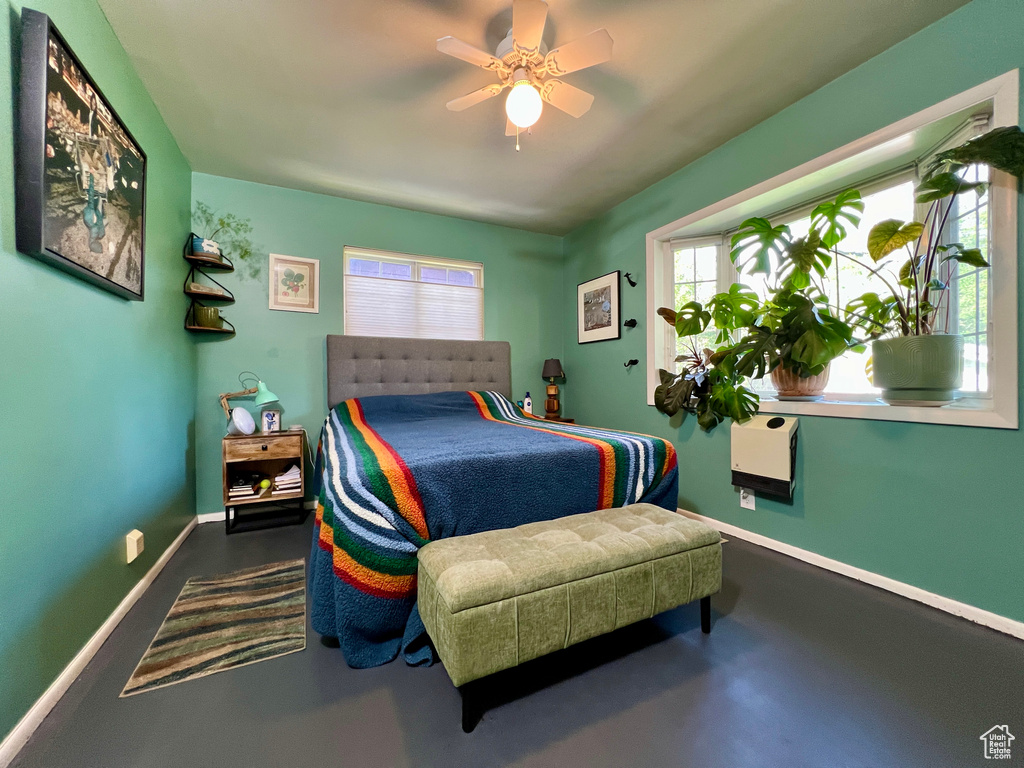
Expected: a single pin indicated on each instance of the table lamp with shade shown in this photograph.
(552, 370)
(240, 421)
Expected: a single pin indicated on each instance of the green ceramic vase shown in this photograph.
(208, 317)
(918, 370)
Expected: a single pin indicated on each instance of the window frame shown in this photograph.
(417, 262)
(957, 273)
(997, 410)
(722, 280)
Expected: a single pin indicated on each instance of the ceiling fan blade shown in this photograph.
(595, 48)
(528, 17)
(567, 98)
(460, 50)
(471, 99)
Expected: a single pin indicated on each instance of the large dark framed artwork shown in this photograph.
(597, 308)
(81, 179)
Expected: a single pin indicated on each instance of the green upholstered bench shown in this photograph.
(493, 600)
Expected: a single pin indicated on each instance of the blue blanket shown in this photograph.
(394, 472)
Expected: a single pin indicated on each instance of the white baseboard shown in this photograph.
(210, 517)
(963, 610)
(218, 517)
(21, 733)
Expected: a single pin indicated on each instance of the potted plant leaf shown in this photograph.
(915, 361)
(793, 329)
(802, 264)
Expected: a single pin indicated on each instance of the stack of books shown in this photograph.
(241, 491)
(289, 481)
(245, 486)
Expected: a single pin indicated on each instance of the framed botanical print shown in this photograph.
(294, 283)
(81, 178)
(597, 308)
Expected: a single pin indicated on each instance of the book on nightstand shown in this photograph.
(288, 481)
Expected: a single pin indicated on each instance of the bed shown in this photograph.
(424, 442)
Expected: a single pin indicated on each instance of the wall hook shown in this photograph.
(630, 280)
(630, 363)
(631, 323)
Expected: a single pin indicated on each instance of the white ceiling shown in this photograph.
(346, 97)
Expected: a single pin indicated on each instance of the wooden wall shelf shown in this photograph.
(228, 299)
(199, 264)
(204, 329)
(208, 262)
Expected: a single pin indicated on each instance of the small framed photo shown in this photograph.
(270, 421)
(294, 284)
(597, 308)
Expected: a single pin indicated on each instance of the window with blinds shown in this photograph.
(395, 294)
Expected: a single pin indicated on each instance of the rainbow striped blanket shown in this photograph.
(394, 472)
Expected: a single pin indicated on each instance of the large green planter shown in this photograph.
(918, 370)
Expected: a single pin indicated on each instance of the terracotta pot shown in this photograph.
(789, 386)
(918, 370)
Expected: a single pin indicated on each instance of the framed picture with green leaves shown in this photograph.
(294, 283)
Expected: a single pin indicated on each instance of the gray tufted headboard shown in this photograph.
(360, 366)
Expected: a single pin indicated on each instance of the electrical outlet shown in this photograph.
(134, 544)
(747, 498)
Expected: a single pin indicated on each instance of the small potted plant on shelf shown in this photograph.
(915, 360)
(793, 334)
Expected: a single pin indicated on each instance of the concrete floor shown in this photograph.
(802, 668)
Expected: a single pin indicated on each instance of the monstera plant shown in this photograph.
(793, 328)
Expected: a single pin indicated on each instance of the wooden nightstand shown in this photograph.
(560, 419)
(245, 460)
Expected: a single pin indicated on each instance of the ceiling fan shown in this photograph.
(524, 65)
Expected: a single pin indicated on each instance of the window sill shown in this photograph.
(968, 413)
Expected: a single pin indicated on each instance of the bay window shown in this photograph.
(689, 259)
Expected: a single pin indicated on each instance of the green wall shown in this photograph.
(98, 397)
(522, 300)
(932, 506)
(112, 420)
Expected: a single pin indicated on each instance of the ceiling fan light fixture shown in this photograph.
(524, 104)
(523, 64)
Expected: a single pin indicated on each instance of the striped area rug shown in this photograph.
(226, 621)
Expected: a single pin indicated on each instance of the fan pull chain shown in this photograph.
(517, 138)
